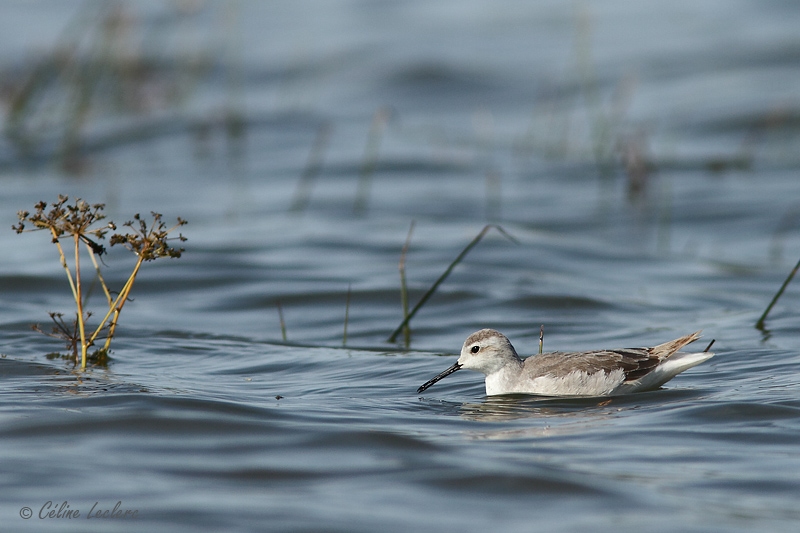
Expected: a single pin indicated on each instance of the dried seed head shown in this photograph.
(151, 242)
(76, 219)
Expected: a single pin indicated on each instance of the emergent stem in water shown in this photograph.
(116, 307)
(64, 263)
(444, 275)
(760, 323)
(79, 299)
(99, 275)
(404, 285)
(541, 338)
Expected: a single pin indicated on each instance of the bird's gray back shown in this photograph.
(633, 362)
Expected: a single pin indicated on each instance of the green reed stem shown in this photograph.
(446, 273)
(760, 323)
(302, 194)
(600, 124)
(282, 322)
(379, 121)
(346, 314)
(404, 285)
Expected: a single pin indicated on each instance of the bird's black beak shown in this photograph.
(440, 376)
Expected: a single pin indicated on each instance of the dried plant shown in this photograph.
(80, 222)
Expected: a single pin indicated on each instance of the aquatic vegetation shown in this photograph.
(541, 338)
(602, 124)
(380, 120)
(282, 321)
(302, 194)
(425, 297)
(404, 285)
(346, 314)
(760, 322)
(113, 61)
(80, 223)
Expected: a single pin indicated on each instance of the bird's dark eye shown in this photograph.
(475, 349)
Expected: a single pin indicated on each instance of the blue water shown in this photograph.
(642, 155)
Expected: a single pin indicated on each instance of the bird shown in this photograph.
(591, 373)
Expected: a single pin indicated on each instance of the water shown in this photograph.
(205, 418)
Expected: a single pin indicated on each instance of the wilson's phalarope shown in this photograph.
(593, 373)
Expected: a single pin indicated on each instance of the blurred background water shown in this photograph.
(644, 155)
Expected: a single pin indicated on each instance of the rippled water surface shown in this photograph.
(643, 156)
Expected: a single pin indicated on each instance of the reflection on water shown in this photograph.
(509, 407)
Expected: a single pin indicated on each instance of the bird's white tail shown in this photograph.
(668, 369)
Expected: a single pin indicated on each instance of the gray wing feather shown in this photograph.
(634, 362)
